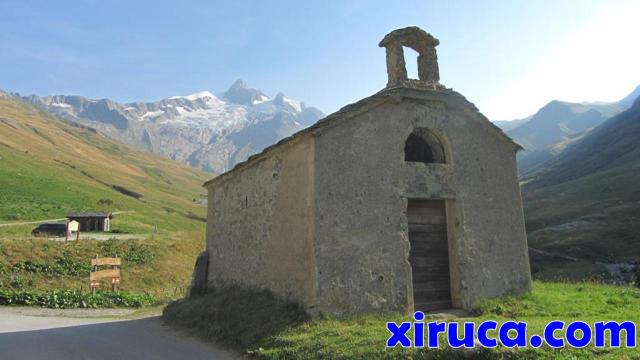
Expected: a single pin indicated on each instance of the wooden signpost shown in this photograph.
(72, 226)
(114, 273)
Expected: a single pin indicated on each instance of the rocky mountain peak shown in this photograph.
(279, 99)
(238, 85)
(239, 93)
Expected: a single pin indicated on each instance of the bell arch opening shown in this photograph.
(423, 146)
(411, 62)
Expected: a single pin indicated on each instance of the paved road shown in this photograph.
(63, 338)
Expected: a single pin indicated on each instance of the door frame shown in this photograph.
(452, 220)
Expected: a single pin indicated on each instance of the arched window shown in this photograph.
(423, 146)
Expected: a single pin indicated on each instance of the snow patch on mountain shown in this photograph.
(296, 105)
(196, 96)
(260, 99)
(151, 114)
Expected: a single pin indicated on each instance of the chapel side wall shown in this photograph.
(260, 225)
(493, 251)
(362, 187)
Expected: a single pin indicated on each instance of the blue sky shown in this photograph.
(508, 57)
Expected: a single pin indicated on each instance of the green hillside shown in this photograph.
(585, 203)
(50, 167)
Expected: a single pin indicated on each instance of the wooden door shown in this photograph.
(429, 255)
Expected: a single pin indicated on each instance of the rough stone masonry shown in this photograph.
(408, 199)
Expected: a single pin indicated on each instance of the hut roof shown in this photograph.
(93, 214)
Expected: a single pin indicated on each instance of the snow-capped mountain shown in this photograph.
(201, 129)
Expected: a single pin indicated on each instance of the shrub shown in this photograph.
(138, 254)
(74, 299)
(132, 253)
(18, 282)
(120, 231)
(65, 265)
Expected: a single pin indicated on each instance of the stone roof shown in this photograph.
(395, 94)
(411, 35)
(93, 214)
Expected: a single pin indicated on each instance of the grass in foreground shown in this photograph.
(265, 327)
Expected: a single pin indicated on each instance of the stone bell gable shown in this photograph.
(424, 44)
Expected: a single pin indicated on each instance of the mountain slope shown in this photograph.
(585, 203)
(629, 99)
(49, 167)
(201, 129)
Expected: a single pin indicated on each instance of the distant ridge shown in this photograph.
(200, 129)
(551, 129)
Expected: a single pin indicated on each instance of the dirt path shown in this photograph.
(34, 334)
(553, 254)
(50, 220)
(32, 222)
